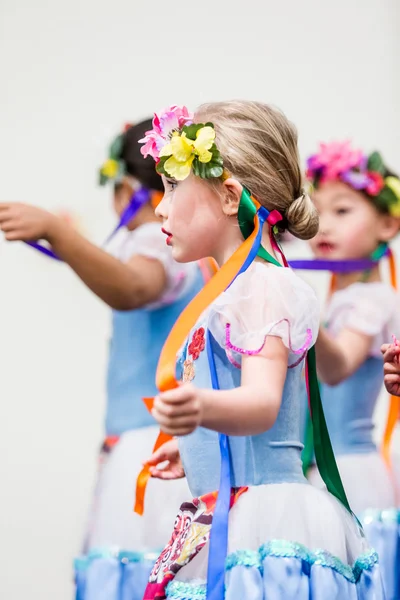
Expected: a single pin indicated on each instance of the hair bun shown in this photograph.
(302, 217)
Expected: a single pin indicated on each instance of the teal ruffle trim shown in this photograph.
(123, 556)
(178, 590)
(389, 515)
(281, 548)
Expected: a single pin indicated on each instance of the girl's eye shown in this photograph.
(172, 183)
(342, 211)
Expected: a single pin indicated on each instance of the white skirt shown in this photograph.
(366, 480)
(294, 512)
(113, 524)
(396, 459)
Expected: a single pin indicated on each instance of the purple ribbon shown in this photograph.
(138, 199)
(335, 266)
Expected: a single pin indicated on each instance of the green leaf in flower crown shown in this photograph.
(386, 197)
(196, 167)
(191, 130)
(121, 168)
(215, 167)
(103, 179)
(213, 171)
(375, 163)
(116, 147)
(160, 166)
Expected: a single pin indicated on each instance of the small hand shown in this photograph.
(179, 411)
(391, 368)
(167, 453)
(24, 222)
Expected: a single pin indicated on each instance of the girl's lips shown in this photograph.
(169, 236)
(325, 247)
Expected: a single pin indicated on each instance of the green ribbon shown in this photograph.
(246, 213)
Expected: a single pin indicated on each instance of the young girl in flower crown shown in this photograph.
(147, 290)
(358, 201)
(229, 178)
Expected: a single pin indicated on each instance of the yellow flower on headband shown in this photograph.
(191, 148)
(110, 168)
(181, 155)
(204, 140)
(394, 185)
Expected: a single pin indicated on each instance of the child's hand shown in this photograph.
(179, 411)
(168, 453)
(391, 368)
(24, 222)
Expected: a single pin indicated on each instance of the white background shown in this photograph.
(72, 72)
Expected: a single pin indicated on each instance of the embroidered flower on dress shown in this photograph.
(197, 344)
(195, 347)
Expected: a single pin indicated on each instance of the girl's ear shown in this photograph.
(232, 192)
(388, 227)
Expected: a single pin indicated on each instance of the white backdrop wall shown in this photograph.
(72, 72)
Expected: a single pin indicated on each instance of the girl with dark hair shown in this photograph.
(147, 291)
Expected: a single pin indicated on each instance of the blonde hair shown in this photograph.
(259, 148)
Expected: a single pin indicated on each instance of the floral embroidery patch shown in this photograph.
(195, 348)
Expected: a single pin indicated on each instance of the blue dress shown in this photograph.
(121, 546)
(287, 540)
(349, 410)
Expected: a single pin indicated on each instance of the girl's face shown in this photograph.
(196, 222)
(350, 227)
(123, 193)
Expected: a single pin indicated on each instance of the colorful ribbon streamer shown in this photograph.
(138, 199)
(165, 380)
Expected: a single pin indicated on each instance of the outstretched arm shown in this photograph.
(122, 286)
(340, 357)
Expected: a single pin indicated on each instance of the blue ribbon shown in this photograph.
(219, 531)
(138, 199)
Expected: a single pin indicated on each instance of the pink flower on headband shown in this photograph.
(164, 123)
(376, 184)
(333, 160)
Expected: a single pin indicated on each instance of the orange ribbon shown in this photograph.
(156, 198)
(145, 474)
(394, 404)
(165, 375)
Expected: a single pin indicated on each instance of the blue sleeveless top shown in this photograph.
(370, 308)
(139, 335)
(349, 408)
(275, 455)
(137, 340)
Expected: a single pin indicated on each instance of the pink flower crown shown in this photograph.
(180, 146)
(164, 124)
(338, 161)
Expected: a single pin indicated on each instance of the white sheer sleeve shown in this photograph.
(369, 308)
(265, 301)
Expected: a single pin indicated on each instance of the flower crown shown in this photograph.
(114, 168)
(178, 145)
(339, 161)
